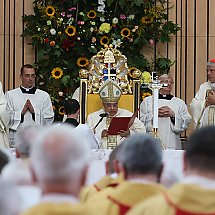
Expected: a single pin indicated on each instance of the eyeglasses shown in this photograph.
(167, 82)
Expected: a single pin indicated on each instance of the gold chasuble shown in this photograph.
(124, 197)
(58, 209)
(181, 199)
(103, 183)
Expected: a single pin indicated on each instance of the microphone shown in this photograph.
(102, 115)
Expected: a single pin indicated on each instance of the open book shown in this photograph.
(117, 124)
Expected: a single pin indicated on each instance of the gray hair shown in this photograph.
(24, 138)
(165, 76)
(58, 154)
(141, 154)
(210, 64)
(9, 199)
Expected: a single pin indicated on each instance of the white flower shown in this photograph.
(115, 20)
(92, 47)
(131, 17)
(38, 29)
(117, 43)
(92, 23)
(60, 19)
(52, 31)
(49, 22)
(101, 9)
(102, 19)
(91, 29)
(60, 93)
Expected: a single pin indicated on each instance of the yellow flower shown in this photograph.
(146, 95)
(125, 32)
(104, 40)
(50, 11)
(57, 73)
(146, 20)
(105, 27)
(146, 77)
(70, 31)
(91, 14)
(82, 62)
(61, 110)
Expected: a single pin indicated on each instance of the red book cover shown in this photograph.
(117, 124)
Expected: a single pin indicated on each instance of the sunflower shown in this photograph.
(82, 62)
(57, 73)
(50, 11)
(125, 32)
(61, 110)
(146, 95)
(104, 40)
(91, 14)
(146, 20)
(70, 31)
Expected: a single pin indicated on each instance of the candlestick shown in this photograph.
(155, 107)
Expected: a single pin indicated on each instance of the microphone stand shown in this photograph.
(98, 123)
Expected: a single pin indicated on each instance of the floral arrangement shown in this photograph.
(67, 33)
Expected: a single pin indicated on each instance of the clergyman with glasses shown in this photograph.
(173, 115)
(203, 105)
(27, 105)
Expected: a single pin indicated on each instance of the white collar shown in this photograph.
(199, 180)
(59, 198)
(27, 89)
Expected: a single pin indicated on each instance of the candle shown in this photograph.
(155, 108)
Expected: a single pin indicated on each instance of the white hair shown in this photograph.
(59, 154)
(165, 76)
(24, 138)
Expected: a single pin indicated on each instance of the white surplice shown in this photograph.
(197, 105)
(93, 119)
(41, 103)
(4, 121)
(168, 132)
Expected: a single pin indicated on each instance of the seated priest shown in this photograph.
(110, 94)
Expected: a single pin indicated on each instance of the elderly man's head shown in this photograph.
(200, 153)
(141, 155)
(111, 108)
(60, 158)
(167, 80)
(211, 71)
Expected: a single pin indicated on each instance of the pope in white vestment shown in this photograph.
(173, 115)
(110, 94)
(27, 105)
(4, 121)
(94, 118)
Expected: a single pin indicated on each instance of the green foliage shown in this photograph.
(67, 33)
